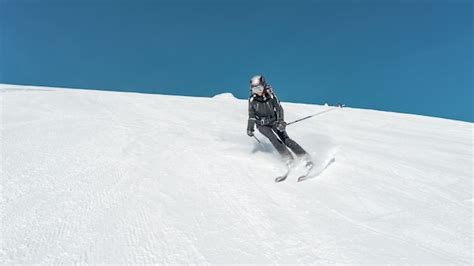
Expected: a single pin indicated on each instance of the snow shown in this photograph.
(111, 177)
(225, 96)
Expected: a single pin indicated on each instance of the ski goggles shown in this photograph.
(257, 89)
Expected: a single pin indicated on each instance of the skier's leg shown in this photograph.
(279, 146)
(295, 147)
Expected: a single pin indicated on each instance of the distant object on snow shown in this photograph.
(224, 96)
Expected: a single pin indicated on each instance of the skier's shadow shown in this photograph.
(263, 147)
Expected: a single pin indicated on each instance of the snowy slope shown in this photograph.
(106, 177)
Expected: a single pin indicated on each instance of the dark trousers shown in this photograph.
(281, 141)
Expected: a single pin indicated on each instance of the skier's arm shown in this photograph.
(252, 118)
(278, 108)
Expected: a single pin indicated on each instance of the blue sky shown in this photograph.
(403, 56)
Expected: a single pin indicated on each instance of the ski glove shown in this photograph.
(281, 125)
(250, 133)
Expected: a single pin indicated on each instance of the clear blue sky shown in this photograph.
(404, 56)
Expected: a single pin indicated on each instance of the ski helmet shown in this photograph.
(257, 84)
(257, 80)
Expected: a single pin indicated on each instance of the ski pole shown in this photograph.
(313, 115)
(257, 139)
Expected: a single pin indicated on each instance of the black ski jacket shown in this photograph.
(264, 110)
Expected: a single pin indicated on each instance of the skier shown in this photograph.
(266, 112)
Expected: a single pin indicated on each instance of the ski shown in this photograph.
(283, 177)
(309, 167)
(315, 172)
(303, 177)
